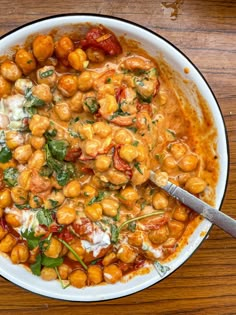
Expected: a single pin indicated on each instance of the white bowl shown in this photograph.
(153, 43)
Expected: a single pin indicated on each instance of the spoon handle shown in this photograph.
(217, 217)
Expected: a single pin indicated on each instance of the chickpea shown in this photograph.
(134, 63)
(12, 219)
(102, 129)
(140, 176)
(104, 89)
(38, 125)
(94, 212)
(42, 91)
(135, 239)
(63, 47)
(25, 61)
(55, 199)
(63, 111)
(110, 207)
(76, 102)
(89, 191)
(3, 233)
(5, 87)
(5, 198)
(67, 85)
(159, 201)
(95, 275)
(85, 81)
(180, 214)
(102, 163)
(10, 71)
(129, 195)
(108, 105)
(72, 189)
(112, 273)
(159, 236)
(54, 248)
(169, 163)
(19, 254)
(37, 160)
(78, 278)
(10, 163)
(86, 131)
(128, 152)
(95, 55)
(142, 153)
(123, 136)
(21, 85)
(78, 59)
(47, 75)
(116, 177)
(109, 259)
(19, 195)
(126, 254)
(78, 248)
(188, 163)
(7, 243)
(23, 153)
(178, 150)
(37, 142)
(43, 47)
(176, 228)
(66, 215)
(34, 201)
(64, 271)
(195, 185)
(91, 147)
(48, 274)
(14, 139)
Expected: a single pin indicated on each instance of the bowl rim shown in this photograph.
(109, 17)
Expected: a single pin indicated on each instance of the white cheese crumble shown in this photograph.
(100, 240)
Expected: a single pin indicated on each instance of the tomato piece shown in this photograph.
(73, 154)
(85, 227)
(120, 164)
(66, 235)
(144, 107)
(100, 37)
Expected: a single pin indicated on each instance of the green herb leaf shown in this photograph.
(5, 155)
(58, 149)
(46, 171)
(33, 241)
(31, 100)
(114, 233)
(97, 198)
(161, 269)
(44, 217)
(51, 262)
(46, 74)
(135, 143)
(50, 134)
(36, 267)
(137, 166)
(92, 104)
(132, 226)
(10, 176)
(133, 129)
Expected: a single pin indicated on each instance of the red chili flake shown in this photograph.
(139, 262)
(100, 37)
(73, 154)
(144, 107)
(120, 164)
(87, 170)
(3, 224)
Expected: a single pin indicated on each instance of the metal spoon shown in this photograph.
(220, 219)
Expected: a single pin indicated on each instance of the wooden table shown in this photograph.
(205, 30)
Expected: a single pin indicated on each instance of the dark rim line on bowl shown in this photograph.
(211, 91)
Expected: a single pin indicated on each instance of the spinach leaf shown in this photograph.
(58, 149)
(97, 198)
(51, 262)
(114, 233)
(44, 217)
(31, 100)
(50, 134)
(64, 170)
(92, 104)
(10, 176)
(33, 241)
(36, 267)
(46, 171)
(5, 155)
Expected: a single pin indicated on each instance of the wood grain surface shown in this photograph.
(205, 30)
